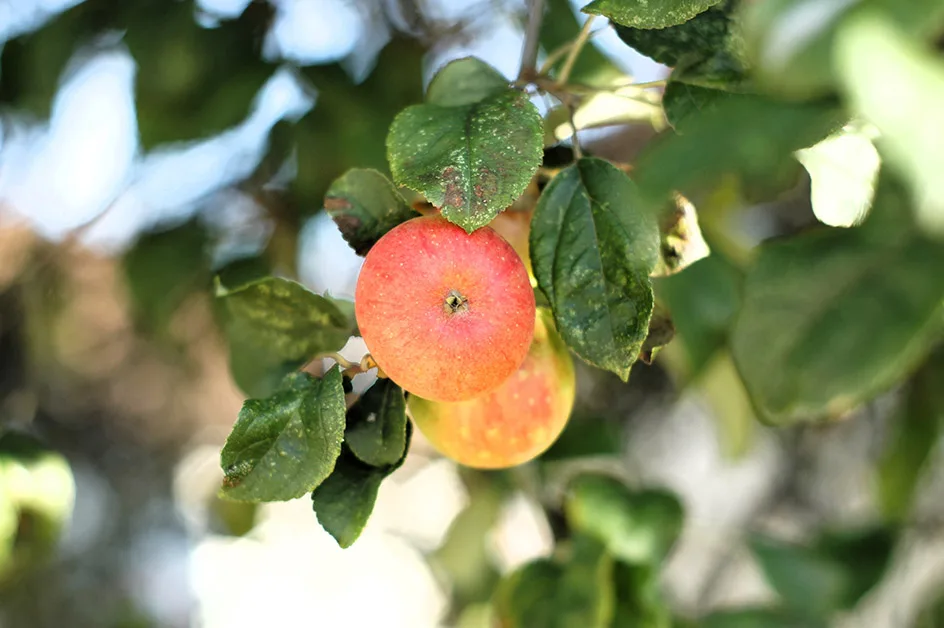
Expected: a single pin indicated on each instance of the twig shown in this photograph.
(571, 59)
(529, 51)
(558, 53)
(574, 140)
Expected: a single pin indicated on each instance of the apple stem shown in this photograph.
(350, 369)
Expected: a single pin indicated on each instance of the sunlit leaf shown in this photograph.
(905, 108)
(593, 247)
(472, 161)
(365, 205)
(619, 104)
(38, 493)
(649, 13)
(285, 445)
(843, 172)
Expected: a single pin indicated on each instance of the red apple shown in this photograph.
(446, 314)
(514, 423)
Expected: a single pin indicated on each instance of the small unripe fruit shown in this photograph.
(515, 422)
(446, 314)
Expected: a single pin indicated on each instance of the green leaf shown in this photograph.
(521, 599)
(797, 58)
(583, 437)
(575, 590)
(680, 100)
(721, 387)
(231, 518)
(649, 13)
(275, 325)
(162, 269)
(637, 527)
(285, 445)
(292, 320)
(703, 37)
(365, 205)
(843, 172)
(376, 424)
(593, 247)
(703, 300)
(8, 523)
(758, 618)
(914, 434)
(933, 615)
(745, 134)
(798, 65)
(639, 602)
(466, 556)
(835, 316)
(464, 81)
(471, 161)
(831, 574)
(344, 501)
(906, 111)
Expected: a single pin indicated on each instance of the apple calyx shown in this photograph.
(455, 303)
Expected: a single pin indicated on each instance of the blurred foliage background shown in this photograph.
(149, 146)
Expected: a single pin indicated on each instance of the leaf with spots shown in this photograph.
(275, 325)
(285, 445)
(376, 424)
(464, 82)
(365, 205)
(472, 161)
(707, 36)
(593, 247)
(649, 13)
(344, 502)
